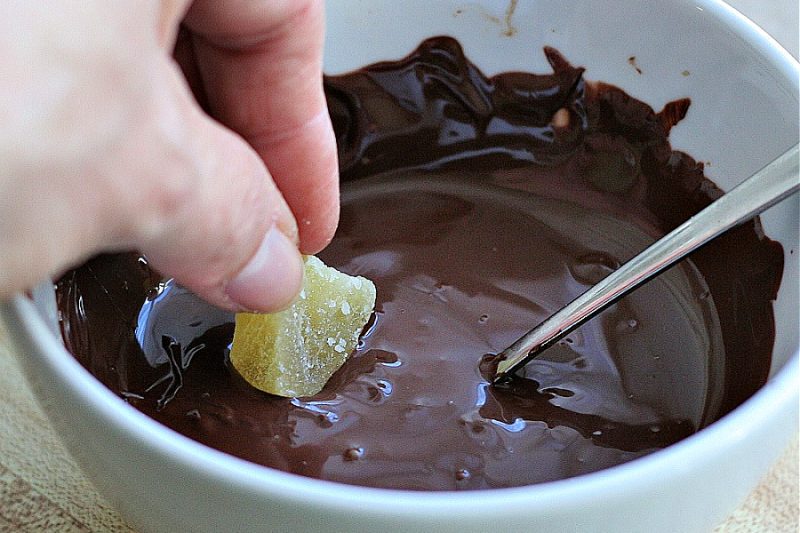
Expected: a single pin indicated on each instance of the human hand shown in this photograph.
(103, 146)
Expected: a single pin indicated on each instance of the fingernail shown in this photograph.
(272, 278)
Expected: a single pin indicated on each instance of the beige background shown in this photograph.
(42, 490)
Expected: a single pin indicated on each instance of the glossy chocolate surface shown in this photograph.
(478, 206)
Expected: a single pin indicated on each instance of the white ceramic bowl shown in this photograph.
(744, 91)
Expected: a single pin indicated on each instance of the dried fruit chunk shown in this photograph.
(295, 351)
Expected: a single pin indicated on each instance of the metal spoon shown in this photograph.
(762, 190)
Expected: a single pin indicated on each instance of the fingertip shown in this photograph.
(305, 167)
(317, 229)
(271, 279)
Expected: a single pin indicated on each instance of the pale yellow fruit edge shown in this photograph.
(294, 352)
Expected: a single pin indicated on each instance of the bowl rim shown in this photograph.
(778, 395)
(752, 33)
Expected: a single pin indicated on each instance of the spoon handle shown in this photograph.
(764, 189)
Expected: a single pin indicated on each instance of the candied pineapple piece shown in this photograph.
(295, 351)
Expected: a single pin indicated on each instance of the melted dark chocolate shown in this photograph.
(478, 206)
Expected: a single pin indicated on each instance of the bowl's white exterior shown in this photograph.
(744, 90)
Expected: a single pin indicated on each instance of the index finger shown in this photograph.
(261, 68)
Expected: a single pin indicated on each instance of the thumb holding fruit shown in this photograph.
(104, 147)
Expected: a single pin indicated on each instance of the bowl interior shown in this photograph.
(743, 86)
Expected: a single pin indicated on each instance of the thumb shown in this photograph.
(218, 223)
